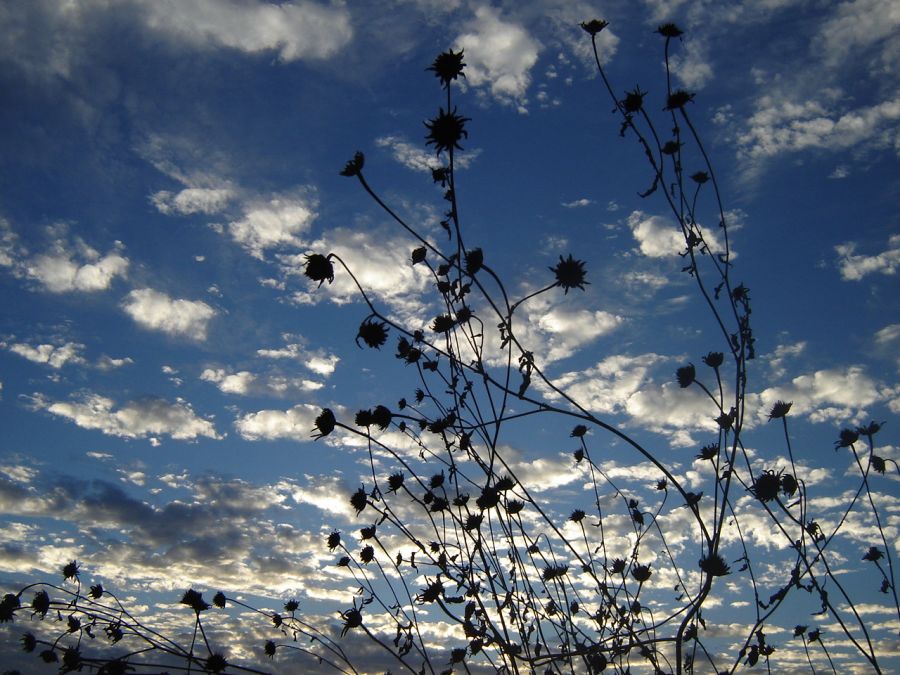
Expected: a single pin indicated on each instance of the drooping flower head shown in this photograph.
(373, 333)
(319, 268)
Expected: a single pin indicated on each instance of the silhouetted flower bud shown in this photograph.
(219, 600)
(474, 260)
(594, 26)
(641, 573)
(686, 375)
(678, 99)
(670, 30)
(324, 424)
(354, 166)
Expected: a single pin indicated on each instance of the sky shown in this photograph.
(167, 165)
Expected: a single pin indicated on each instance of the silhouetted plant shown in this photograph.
(516, 588)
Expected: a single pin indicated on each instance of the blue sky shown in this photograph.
(166, 166)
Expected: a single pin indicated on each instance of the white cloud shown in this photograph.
(142, 418)
(380, 263)
(55, 356)
(832, 394)
(318, 361)
(157, 311)
(660, 237)
(273, 223)
(858, 25)
(414, 157)
(498, 55)
(854, 267)
(109, 363)
(557, 332)
(577, 203)
(192, 200)
(296, 423)
(297, 30)
(691, 65)
(781, 125)
(229, 383)
(66, 266)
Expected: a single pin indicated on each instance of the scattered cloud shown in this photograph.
(244, 382)
(155, 310)
(295, 424)
(499, 56)
(53, 355)
(192, 200)
(229, 383)
(317, 360)
(854, 266)
(142, 418)
(66, 266)
(779, 126)
(275, 222)
(660, 237)
(414, 157)
(832, 394)
(691, 64)
(855, 27)
(578, 203)
(298, 30)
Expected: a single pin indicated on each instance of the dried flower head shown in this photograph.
(194, 600)
(678, 99)
(359, 500)
(446, 131)
(714, 565)
(354, 166)
(352, 619)
(373, 333)
(334, 540)
(569, 273)
(641, 573)
(780, 409)
(216, 663)
(686, 375)
(847, 438)
(766, 486)
(633, 101)
(41, 603)
(319, 268)
(70, 571)
(594, 26)
(448, 66)
(324, 424)
(670, 30)
(577, 516)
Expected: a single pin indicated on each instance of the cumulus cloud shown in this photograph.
(66, 266)
(832, 394)
(380, 261)
(274, 222)
(155, 310)
(53, 355)
(298, 30)
(142, 418)
(295, 423)
(558, 331)
(499, 55)
(229, 383)
(318, 361)
(854, 266)
(780, 126)
(244, 382)
(192, 200)
(660, 237)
